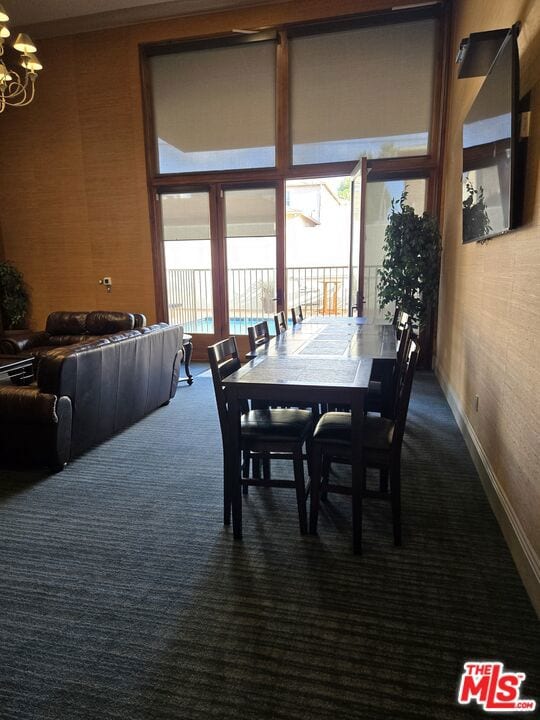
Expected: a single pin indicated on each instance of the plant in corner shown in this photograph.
(410, 269)
(13, 297)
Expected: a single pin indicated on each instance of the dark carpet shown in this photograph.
(123, 596)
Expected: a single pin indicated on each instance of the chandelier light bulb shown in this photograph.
(4, 17)
(4, 31)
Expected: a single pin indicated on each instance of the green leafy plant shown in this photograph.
(410, 271)
(475, 217)
(13, 297)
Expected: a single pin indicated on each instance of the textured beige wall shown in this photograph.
(489, 317)
(73, 189)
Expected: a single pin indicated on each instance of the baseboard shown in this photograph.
(525, 557)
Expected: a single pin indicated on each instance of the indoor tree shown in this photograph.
(410, 271)
(13, 297)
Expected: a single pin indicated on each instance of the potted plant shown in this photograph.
(13, 297)
(410, 271)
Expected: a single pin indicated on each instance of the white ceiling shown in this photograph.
(44, 18)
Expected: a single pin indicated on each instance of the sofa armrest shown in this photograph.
(27, 403)
(23, 342)
(35, 426)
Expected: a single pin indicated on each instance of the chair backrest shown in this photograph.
(258, 335)
(224, 360)
(281, 322)
(404, 395)
(296, 314)
(400, 368)
(403, 320)
(404, 341)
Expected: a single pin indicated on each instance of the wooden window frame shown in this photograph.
(425, 166)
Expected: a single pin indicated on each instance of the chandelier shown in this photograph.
(17, 88)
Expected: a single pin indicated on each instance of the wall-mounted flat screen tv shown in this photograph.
(490, 149)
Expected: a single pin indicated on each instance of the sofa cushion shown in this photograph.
(61, 340)
(66, 323)
(100, 322)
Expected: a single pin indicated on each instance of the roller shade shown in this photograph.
(365, 91)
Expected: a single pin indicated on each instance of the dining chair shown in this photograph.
(374, 398)
(381, 449)
(403, 320)
(297, 315)
(258, 335)
(275, 433)
(281, 322)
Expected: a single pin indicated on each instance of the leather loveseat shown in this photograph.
(68, 328)
(86, 392)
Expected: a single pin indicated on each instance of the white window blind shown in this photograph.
(362, 92)
(214, 109)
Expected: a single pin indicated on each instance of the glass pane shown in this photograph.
(188, 262)
(379, 196)
(318, 245)
(215, 109)
(250, 217)
(371, 88)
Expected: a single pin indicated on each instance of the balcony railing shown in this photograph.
(252, 293)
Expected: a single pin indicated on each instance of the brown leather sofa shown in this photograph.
(68, 328)
(87, 391)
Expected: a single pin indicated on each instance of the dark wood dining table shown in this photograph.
(318, 361)
(341, 337)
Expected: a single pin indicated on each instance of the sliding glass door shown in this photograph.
(187, 251)
(250, 250)
(379, 197)
(219, 251)
(317, 254)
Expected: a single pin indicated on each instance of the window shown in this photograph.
(379, 197)
(188, 260)
(214, 108)
(362, 92)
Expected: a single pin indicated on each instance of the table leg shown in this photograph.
(357, 421)
(315, 487)
(188, 351)
(234, 465)
(387, 389)
(226, 485)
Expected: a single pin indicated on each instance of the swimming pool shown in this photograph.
(238, 326)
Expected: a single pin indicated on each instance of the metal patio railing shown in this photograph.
(252, 292)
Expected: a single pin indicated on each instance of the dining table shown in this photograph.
(323, 360)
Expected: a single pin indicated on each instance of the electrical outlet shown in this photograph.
(476, 402)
